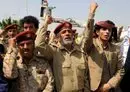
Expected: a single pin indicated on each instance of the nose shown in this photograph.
(11, 32)
(67, 33)
(108, 30)
(25, 45)
(28, 28)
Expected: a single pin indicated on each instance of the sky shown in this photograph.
(115, 10)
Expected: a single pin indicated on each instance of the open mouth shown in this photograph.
(26, 52)
(67, 38)
(106, 35)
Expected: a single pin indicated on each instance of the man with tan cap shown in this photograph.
(9, 28)
(31, 71)
(69, 60)
(8, 32)
(12, 30)
(104, 60)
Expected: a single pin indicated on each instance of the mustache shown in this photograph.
(26, 50)
(67, 38)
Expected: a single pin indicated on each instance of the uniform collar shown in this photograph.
(99, 43)
(75, 47)
(61, 47)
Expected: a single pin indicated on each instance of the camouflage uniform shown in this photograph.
(36, 76)
(4, 41)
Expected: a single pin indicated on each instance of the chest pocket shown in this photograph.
(39, 78)
(66, 68)
(42, 78)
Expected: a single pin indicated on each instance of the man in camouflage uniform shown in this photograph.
(33, 73)
(8, 32)
(3, 81)
(69, 60)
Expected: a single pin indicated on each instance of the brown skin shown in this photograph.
(29, 26)
(12, 42)
(105, 88)
(26, 49)
(104, 35)
(11, 33)
(93, 7)
(66, 37)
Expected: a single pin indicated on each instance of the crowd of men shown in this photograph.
(31, 61)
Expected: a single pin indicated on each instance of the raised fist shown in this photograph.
(93, 7)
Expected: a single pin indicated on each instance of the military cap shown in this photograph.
(25, 36)
(61, 26)
(105, 24)
(12, 26)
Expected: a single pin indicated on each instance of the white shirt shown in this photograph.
(125, 45)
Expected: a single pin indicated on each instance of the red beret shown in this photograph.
(25, 35)
(62, 26)
(105, 24)
(12, 26)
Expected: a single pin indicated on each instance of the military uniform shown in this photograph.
(105, 65)
(70, 73)
(3, 36)
(70, 67)
(4, 40)
(36, 76)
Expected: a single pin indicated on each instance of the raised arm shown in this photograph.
(41, 33)
(42, 48)
(88, 33)
(9, 62)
